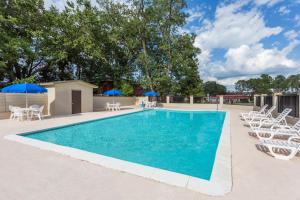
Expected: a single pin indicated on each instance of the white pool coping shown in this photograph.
(219, 184)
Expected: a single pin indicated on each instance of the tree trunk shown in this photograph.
(144, 45)
(169, 37)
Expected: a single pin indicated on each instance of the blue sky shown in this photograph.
(242, 39)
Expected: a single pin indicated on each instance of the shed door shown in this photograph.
(76, 101)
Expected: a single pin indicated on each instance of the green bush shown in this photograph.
(127, 89)
(30, 79)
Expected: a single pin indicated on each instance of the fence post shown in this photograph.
(167, 99)
(262, 99)
(299, 105)
(191, 99)
(221, 101)
(275, 100)
(254, 100)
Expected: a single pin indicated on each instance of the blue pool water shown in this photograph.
(180, 141)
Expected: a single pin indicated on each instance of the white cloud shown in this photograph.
(233, 27)
(194, 14)
(291, 35)
(232, 80)
(268, 3)
(256, 59)
(283, 10)
(297, 20)
(240, 33)
(59, 4)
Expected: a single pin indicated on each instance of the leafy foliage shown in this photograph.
(212, 88)
(138, 44)
(265, 84)
(30, 79)
(127, 89)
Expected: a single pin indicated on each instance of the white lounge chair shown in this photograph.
(37, 112)
(251, 113)
(269, 133)
(284, 150)
(279, 120)
(257, 117)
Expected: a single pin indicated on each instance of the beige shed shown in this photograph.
(69, 97)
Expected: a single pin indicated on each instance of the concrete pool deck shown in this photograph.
(30, 173)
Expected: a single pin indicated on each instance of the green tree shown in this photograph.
(294, 82)
(30, 79)
(137, 44)
(212, 88)
(261, 85)
(280, 84)
(21, 53)
(127, 89)
(242, 86)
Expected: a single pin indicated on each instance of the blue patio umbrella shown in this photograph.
(112, 93)
(24, 88)
(151, 94)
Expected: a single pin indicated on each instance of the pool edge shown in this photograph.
(219, 184)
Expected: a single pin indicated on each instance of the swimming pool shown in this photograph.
(184, 142)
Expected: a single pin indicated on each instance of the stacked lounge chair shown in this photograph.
(257, 117)
(250, 114)
(266, 127)
(275, 130)
(270, 121)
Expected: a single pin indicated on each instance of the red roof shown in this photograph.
(235, 96)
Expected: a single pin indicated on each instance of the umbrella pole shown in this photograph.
(26, 100)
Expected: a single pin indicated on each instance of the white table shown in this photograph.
(27, 111)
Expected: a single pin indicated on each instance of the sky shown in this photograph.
(242, 39)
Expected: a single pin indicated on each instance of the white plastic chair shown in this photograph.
(109, 107)
(118, 106)
(147, 104)
(37, 112)
(153, 104)
(34, 106)
(18, 113)
(12, 110)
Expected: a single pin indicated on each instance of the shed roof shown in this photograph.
(69, 81)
